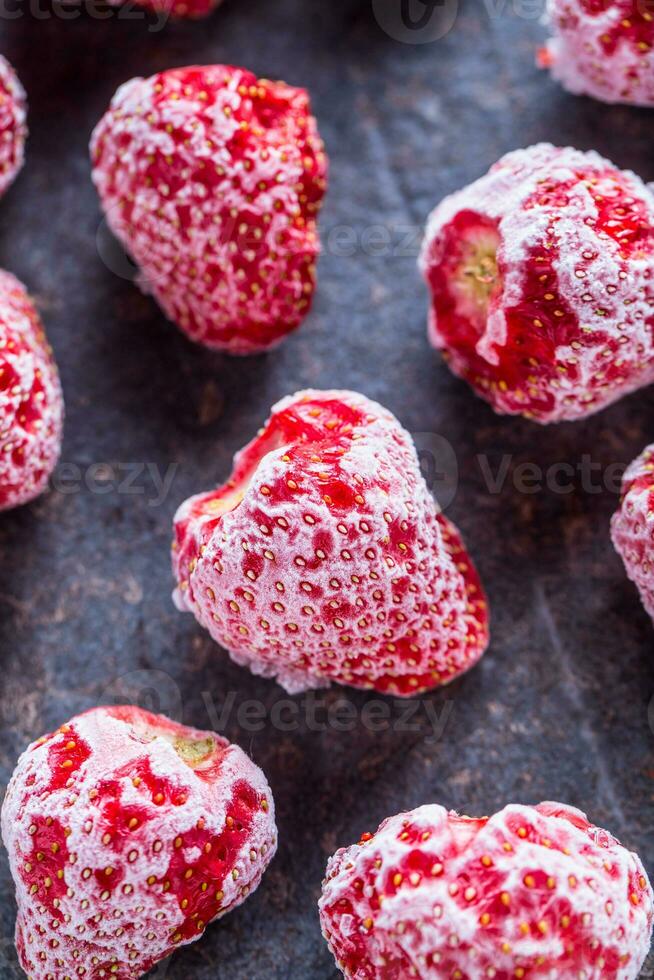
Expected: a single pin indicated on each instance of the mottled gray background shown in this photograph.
(559, 707)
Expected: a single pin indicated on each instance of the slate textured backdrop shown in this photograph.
(559, 707)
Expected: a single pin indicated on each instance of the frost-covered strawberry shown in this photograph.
(632, 527)
(13, 128)
(324, 558)
(127, 835)
(603, 48)
(213, 179)
(542, 282)
(533, 892)
(192, 9)
(31, 403)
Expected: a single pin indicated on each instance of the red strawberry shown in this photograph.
(31, 403)
(192, 9)
(213, 180)
(603, 48)
(542, 283)
(325, 558)
(632, 527)
(127, 834)
(532, 892)
(13, 129)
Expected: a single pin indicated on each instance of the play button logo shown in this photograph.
(416, 21)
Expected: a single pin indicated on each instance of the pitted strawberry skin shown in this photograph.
(541, 277)
(31, 400)
(324, 557)
(213, 179)
(531, 892)
(127, 835)
(13, 125)
(602, 48)
(632, 526)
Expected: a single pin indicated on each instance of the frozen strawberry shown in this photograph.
(324, 557)
(192, 9)
(127, 835)
(532, 892)
(632, 528)
(13, 128)
(31, 403)
(542, 282)
(603, 48)
(213, 179)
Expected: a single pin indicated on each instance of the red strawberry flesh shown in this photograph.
(542, 283)
(532, 892)
(213, 180)
(632, 527)
(325, 558)
(31, 402)
(127, 835)
(178, 9)
(603, 48)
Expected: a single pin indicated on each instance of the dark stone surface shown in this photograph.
(559, 707)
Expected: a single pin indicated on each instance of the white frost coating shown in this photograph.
(13, 127)
(612, 296)
(192, 9)
(31, 406)
(431, 924)
(578, 60)
(314, 604)
(133, 926)
(191, 260)
(632, 527)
